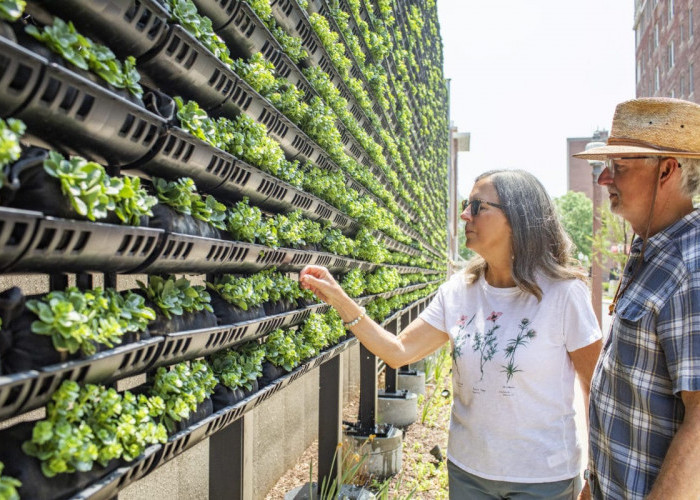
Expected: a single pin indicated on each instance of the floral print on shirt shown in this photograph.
(486, 344)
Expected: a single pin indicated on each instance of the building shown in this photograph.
(579, 173)
(667, 47)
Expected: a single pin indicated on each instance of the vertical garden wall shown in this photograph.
(166, 168)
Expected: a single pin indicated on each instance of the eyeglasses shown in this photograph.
(614, 168)
(475, 206)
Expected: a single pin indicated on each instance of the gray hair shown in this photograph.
(540, 243)
(690, 175)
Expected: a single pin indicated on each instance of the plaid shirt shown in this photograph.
(651, 354)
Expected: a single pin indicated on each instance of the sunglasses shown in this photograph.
(612, 163)
(475, 206)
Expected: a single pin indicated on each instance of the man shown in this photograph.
(645, 393)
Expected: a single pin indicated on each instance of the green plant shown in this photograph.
(354, 282)
(384, 279)
(11, 131)
(185, 13)
(176, 296)
(240, 367)
(8, 486)
(239, 291)
(281, 349)
(87, 424)
(11, 10)
(93, 193)
(62, 38)
(182, 387)
(78, 320)
(182, 196)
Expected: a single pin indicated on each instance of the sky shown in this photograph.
(526, 75)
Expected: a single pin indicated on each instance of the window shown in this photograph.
(671, 55)
(657, 80)
(656, 36)
(691, 82)
(682, 81)
(670, 11)
(639, 72)
(690, 22)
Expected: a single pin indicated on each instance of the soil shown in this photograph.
(421, 476)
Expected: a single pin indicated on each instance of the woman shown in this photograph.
(521, 325)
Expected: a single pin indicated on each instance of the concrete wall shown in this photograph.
(282, 428)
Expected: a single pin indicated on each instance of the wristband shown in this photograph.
(356, 320)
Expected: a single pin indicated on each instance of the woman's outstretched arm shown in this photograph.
(415, 342)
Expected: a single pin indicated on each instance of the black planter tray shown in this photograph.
(392, 244)
(17, 229)
(293, 141)
(20, 70)
(244, 32)
(103, 367)
(365, 299)
(181, 346)
(182, 66)
(205, 428)
(180, 154)
(68, 111)
(294, 20)
(219, 11)
(65, 245)
(128, 27)
(14, 391)
(108, 487)
(197, 254)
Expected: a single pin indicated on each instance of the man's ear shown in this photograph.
(667, 167)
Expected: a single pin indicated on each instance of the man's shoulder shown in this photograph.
(687, 242)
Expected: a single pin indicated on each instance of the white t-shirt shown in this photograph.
(513, 381)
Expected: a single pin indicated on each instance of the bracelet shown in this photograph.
(356, 320)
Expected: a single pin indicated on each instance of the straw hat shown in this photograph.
(652, 126)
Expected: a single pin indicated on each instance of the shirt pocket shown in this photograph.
(634, 342)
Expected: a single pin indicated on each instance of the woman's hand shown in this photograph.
(320, 281)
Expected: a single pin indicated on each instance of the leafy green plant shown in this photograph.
(8, 486)
(239, 291)
(354, 282)
(314, 333)
(182, 196)
(182, 387)
(93, 193)
(176, 296)
(78, 320)
(185, 13)
(384, 279)
(11, 131)
(281, 349)
(62, 38)
(87, 424)
(11, 10)
(238, 368)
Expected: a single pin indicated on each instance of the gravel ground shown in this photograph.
(422, 476)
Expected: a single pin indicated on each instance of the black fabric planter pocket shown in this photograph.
(20, 348)
(223, 396)
(303, 303)
(166, 218)
(183, 323)
(204, 409)
(37, 190)
(270, 374)
(228, 314)
(279, 307)
(28, 469)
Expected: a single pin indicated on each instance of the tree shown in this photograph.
(576, 214)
